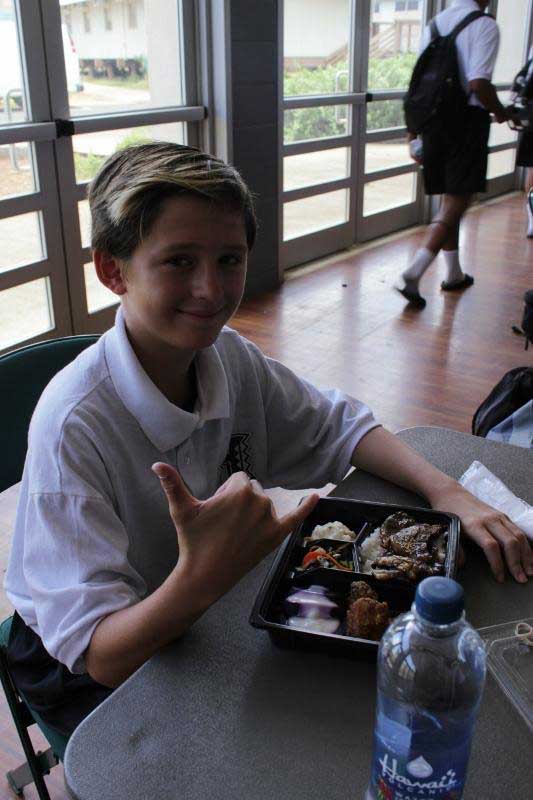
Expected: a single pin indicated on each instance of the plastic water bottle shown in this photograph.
(416, 149)
(431, 672)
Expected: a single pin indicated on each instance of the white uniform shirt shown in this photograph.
(477, 45)
(93, 533)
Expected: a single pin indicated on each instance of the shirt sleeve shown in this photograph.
(424, 39)
(75, 558)
(311, 434)
(483, 51)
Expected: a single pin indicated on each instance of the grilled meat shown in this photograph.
(388, 567)
(416, 541)
(393, 524)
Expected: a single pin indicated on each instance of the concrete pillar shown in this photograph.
(245, 41)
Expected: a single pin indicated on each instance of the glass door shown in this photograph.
(79, 80)
(33, 284)
(121, 73)
(347, 175)
(319, 116)
(514, 20)
(390, 188)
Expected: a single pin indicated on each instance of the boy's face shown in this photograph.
(186, 279)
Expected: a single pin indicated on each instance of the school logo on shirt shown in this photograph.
(238, 458)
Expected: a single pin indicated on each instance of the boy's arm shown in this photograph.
(383, 454)
(124, 640)
(219, 540)
(488, 96)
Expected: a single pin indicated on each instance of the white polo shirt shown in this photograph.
(93, 532)
(477, 45)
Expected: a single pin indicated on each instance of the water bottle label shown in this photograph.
(408, 768)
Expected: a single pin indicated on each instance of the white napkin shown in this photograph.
(484, 485)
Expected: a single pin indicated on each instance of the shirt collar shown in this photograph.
(166, 425)
(467, 4)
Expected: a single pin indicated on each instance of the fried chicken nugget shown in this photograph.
(367, 618)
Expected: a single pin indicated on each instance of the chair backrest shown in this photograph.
(24, 373)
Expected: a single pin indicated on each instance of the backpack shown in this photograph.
(522, 89)
(436, 94)
(513, 391)
(522, 96)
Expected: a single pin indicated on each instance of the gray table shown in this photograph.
(224, 714)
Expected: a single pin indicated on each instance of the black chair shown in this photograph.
(24, 373)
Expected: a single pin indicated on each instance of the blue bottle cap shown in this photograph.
(439, 600)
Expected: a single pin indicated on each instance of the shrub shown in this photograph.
(315, 123)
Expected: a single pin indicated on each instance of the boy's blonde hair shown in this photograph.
(126, 195)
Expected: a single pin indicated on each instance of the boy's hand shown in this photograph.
(500, 539)
(222, 538)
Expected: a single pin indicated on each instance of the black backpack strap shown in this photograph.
(465, 23)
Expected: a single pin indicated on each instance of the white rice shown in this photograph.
(333, 530)
(370, 550)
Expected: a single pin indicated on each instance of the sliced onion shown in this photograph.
(314, 596)
(312, 624)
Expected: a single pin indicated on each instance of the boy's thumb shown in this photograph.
(177, 493)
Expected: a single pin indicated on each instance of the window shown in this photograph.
(132, 14)
(108, 22)
(377, 8)
(48, 286)
(412, 5)
(400, 5)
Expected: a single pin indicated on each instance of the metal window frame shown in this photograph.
(298, 250)
(512, 180)
(72, 192)
(357, 228)
(56, 193)
(40, 133)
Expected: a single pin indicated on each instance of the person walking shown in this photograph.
(455, 165)
(524, 157)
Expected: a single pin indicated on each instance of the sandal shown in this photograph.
(458, 285)
(414, 298)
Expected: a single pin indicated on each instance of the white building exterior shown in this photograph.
(113, 30)
(317, 31)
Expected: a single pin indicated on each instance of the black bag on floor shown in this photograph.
(527, 319)
(513, 391)
(436, 94)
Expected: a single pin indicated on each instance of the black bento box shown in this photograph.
(270, 608)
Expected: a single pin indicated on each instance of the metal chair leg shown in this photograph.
(38, 764)
(22, 776)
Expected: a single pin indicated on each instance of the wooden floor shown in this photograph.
(341, 324)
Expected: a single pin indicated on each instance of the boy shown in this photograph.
(94, 571)
(455, 163)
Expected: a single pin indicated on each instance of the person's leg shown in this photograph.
(455, 277)
(61, 698)
(528, 186)
(524, 158)
(529, 201)
(450, 252)
(443, 232)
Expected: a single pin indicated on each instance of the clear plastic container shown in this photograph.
(510, 660)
